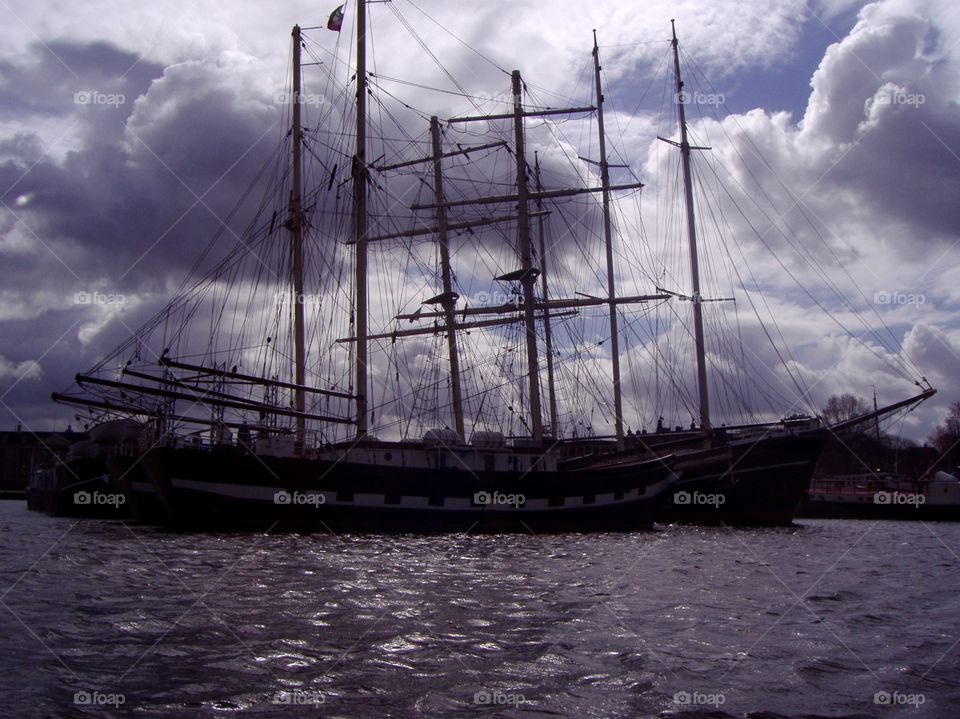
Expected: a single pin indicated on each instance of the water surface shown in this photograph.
(827, 619)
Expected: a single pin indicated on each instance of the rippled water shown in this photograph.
(684, 621)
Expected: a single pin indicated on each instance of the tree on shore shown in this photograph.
(946, 439)
(841, 407)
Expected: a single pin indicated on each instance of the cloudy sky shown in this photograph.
(128, 130)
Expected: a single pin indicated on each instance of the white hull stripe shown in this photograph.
(310, 497)
(735, 473)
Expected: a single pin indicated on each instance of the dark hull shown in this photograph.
(81, 488)
(756, 482)
(812, 508)
(228, 489)
(128, 474)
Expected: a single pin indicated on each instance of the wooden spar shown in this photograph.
(548, 305)
(202, 393)
(237, 403)
(450, 298)
(523, 113)
(451, 227)
(440, 328)
(444, 155)
(253, 379)
(130, 409)
(360, 222)
(545, 195)
(526, 260)
(296, 248)
(699, 343)
(544, 289)
(608, 245)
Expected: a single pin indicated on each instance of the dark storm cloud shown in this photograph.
(61, 79)
(160, 156)
(154, 175)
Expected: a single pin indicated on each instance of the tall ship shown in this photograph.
(422, 329)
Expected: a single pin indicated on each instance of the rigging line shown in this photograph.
(680, 386)
(637, 44)
(902, 369)
(458, 39)
(422, 113)
(181, 294)
(897, 345)
(734, 270)
(410, 83)
(707, 210)
(830, 284)
(826, 311)
(615, 142)
(413, 33)
(799, 383)
(656, 73)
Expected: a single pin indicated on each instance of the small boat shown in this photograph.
(79, 486)
(882, 495)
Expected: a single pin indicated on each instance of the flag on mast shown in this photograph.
(336, 19)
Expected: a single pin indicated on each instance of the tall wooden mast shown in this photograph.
(360, 222)
(547, 330)
(448, 299)
(692, 234)
(528, 274)
(296, 241)
(608, 244)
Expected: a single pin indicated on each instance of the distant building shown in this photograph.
(23, 451)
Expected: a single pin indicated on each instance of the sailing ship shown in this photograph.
(292, 442)
(273, 474)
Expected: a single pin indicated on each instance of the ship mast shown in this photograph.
(448, 299)
(360, 222)
(692, 234)
(528, 274)
(608, 242)
(547, 331)
(296, 249)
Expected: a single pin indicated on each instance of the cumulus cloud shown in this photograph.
(26, 370)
